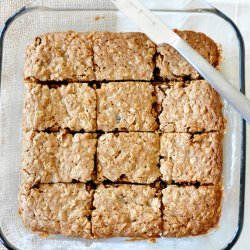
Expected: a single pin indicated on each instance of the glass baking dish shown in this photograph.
(47, 16)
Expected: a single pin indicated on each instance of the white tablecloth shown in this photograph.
(239, 11)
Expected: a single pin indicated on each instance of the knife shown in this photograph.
(158, 32)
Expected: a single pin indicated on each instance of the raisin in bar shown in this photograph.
(126, 211)
(71, 106)
(128, 157)
(191, 158)
(189, 107)
(57, 157)
(123, 56)
(190, 211)
(126, 106)
(57, 208)
(172, 66)
(59, 57)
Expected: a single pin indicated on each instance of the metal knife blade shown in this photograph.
(158, 32)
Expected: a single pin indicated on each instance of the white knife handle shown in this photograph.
(239, 101)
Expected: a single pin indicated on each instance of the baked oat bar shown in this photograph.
(126, 211)
(189, 107)
(172, 66)
(57, 157)
(59, 57)
(190, 211)
(126, 106)
(71, 106)
(123, 56)
(128, 157)
(57, 208)
(187, 158)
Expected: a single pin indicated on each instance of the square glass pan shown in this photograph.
(50, 16)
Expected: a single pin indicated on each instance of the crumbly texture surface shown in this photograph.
(57, 157)
(126, 210)
(123, 56)
(60, 56)
(126, 106)
(116, 141)
(190, 211)
(128, 157)
(57, 208)
(71, 106)
(187, 158)
(189, 107)
(172, 66)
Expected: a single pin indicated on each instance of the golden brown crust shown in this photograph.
(123, 56)
(126, 211)
(195, 107)
(126, 106)
(70, 106)
(188, 158)
(60, 56)
(190, 211)
(119, 210)
(57, 208)
(57, 157)
(173, 66)
(128, 157)
(112, 56)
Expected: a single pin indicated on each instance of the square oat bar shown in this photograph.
(189, 107)
(60, 56)
(190, 211)
(172, 66)
(57, 157)
(57, 208)
(71, 106)
(126, 106)
(187, 158)
(123, 56)
(126, 211)
(128, 157)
